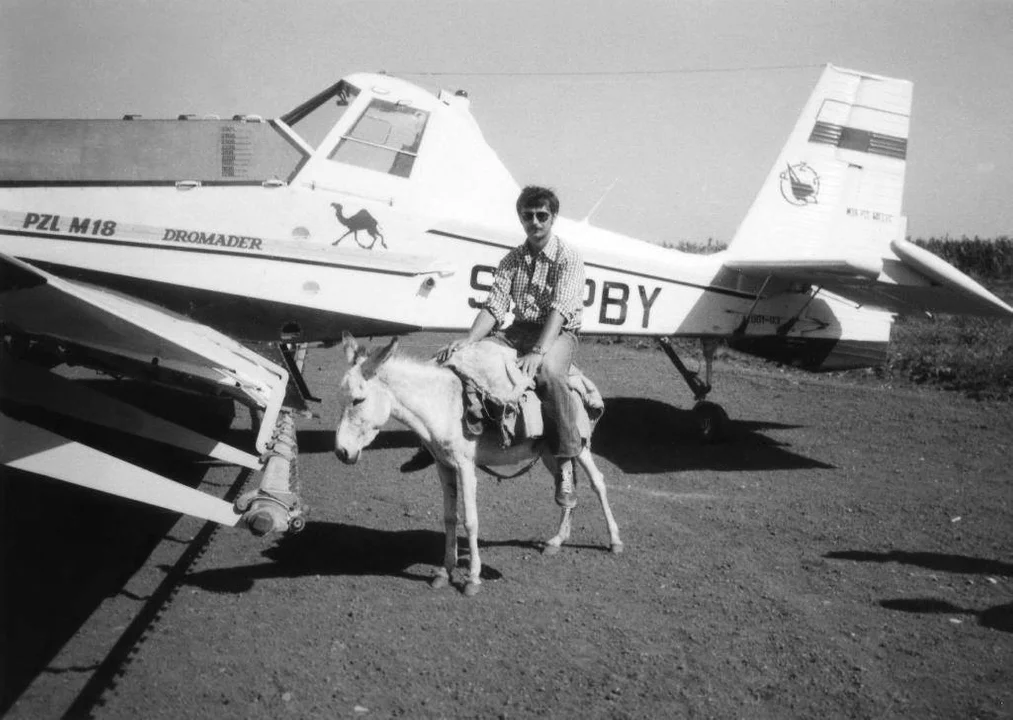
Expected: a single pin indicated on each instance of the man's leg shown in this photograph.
(553, 377)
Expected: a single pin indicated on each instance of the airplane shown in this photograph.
(377, 207)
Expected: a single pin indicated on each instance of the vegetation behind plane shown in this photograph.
(967, 354)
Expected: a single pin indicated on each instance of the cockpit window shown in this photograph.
(386, 138)
(314, 118)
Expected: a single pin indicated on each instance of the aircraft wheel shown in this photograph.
(711, 421)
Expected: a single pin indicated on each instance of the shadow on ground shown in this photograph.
(943, 562)
(331, 549)
(64, 549)
(999, 617)
(642, 435)
(315, 442)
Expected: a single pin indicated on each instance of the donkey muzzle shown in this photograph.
(345, 456)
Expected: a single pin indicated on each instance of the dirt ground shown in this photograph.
(848, 553)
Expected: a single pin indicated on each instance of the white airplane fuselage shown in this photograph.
(395, 218)
(259, 263)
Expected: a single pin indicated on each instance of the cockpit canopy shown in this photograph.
(381, 137)
(385, 137)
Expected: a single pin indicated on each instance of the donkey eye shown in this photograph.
(358, 401)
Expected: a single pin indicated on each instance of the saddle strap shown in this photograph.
(501, 476)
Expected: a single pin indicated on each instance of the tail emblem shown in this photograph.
(800, 185)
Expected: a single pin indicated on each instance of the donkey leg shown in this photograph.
(553, 544)
(469, 488)
(448, 480)
(586, 461)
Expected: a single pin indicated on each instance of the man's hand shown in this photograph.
(447, 350)
(530, 363)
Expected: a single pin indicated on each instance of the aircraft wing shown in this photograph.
(42, 315)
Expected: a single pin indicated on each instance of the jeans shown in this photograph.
(552, 383)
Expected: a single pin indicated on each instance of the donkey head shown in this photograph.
(364, 403)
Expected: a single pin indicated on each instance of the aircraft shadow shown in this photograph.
(999, 617)
(64, 549)
(334, 549)
(642, 435)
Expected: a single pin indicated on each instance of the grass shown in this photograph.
(970, 355)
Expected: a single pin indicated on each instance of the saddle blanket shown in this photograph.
(498, 396)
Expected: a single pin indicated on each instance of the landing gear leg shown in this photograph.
(711, 419)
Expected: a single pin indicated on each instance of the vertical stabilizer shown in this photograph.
(835, 191)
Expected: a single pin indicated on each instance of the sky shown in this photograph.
(679, 107)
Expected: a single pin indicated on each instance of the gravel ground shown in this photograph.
(847, 553)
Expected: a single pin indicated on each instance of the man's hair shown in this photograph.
(533, 196)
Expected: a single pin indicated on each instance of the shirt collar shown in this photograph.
(550, 250)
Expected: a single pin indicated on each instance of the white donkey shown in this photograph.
(429, 400)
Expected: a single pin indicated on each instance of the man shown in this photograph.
(543, 279)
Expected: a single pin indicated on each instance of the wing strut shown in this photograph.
(289, 355)
(785, 327)
(741, 329)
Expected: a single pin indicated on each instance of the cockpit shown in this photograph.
(381, 138)
(385, 136)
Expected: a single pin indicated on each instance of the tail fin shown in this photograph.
(829, 212)
(835, 191)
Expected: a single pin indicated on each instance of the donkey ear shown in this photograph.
(378, 358)
(348, 342)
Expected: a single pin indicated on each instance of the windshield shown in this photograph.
(314, 118)
(385, 138)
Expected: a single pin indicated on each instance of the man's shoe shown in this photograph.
(419, 461)
(566, 496)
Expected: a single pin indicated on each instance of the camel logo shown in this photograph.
(800, 185)
(361, 220)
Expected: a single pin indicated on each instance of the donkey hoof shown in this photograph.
(471, 589)
(616, 548)
(550, 549)
(439, 582)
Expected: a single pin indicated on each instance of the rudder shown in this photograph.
(836, 188)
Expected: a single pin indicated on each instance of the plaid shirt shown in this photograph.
(552, 279)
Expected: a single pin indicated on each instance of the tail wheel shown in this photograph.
(711, 421)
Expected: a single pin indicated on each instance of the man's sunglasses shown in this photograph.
(540, 215)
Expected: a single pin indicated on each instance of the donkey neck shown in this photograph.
(423, 395)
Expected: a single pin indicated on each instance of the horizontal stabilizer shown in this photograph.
(808, 270)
